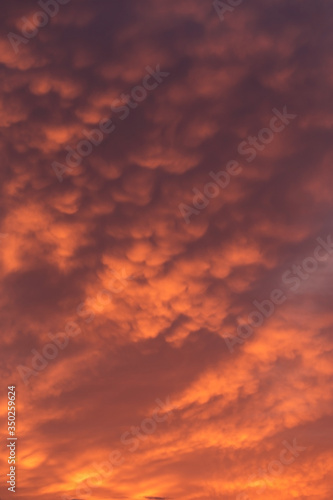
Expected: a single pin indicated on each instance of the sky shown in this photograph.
(166, 246)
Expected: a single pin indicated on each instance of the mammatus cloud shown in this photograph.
(71, 245)
(30, 27)
(248, 148)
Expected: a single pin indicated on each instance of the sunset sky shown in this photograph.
(166, 241)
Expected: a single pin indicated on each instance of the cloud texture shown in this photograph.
(151, 299)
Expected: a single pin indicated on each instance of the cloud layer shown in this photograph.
(155, 297)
